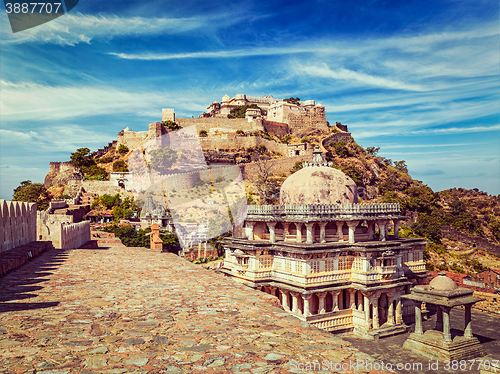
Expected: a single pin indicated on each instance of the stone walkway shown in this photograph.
(133, 310)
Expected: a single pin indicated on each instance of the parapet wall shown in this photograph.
(103, 187)
(230, 124)
(17, 224)
(74, 235)
(234, 143)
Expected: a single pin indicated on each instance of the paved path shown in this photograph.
(133, 310)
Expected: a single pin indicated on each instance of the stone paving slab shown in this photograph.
(133, 310)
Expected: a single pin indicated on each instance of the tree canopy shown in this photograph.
(32, 193)
(162, 159)
(239, 111)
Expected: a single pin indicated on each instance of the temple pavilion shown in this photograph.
(330, 261)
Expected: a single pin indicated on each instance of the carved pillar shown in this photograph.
(376, 322)
(295, 303)
(321, 307)
(298, 225)
(284, 299)
(309, 230)
(322, 232)
(251, 226)
(335, 300)
(340, 234)
(272, 235)
(286, 225)
(418, 320)
(307, 310)
(468, 321)
(340, 303)
(371, 229)
(396, 228)
(352, 300)
(367, 309)
(439, 318)
(446, 324)
(399, 313)
(352, 227)
(382, 228)
(390, 314)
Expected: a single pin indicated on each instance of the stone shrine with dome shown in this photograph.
(329, 260)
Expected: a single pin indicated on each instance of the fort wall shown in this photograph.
(132, 139)
(480, 243)
(344, 137)
(17, 224)
(223, 124)
(234, 143)
(103, 187)
(74, 235)
(279, 165)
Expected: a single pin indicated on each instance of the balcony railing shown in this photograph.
(327, 209)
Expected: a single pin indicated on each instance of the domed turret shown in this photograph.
(225, 98)
(318, 183)
(442, 283)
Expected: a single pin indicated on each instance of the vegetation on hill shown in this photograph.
(83, 159)
(174, 126)
(120, 208)
(130, 237)
(239, 111)
(292, 100)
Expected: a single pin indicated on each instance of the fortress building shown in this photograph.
(329, 260)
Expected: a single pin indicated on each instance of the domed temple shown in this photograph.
(329, 260)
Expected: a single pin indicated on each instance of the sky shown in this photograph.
(419, 79)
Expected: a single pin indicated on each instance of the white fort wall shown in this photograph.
(74, 235)
(17, 224)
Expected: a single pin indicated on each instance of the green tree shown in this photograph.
(162, 159)
(428, 226)
(372, 151)
(120, 166)
(239, 111)
(109, 201)
(122, 149)
(341, 150)
(203, 133)
(81, 158)
(401, 166)
(171, 125)
(32, 193)
(354, 174)
(292, 100)
(170, 242)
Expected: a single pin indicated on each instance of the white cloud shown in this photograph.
(32, 101)
(72, 29)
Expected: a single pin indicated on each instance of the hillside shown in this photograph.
(433, 215)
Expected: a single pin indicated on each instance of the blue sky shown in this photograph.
(419, 79)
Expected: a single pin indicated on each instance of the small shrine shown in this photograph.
(444, 293)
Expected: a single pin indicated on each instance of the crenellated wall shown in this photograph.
(17, 224)
(74, 235)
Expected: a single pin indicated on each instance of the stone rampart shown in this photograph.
(234, 143)
(306, 121)
(224, 124)
(74, 235)
(61, 173)
(17, 224)
(132, 139)
(103, 187)
(277, 166)
(344, 137)
(479, 242)
(278, 128)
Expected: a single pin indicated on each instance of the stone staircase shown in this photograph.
(100, 239)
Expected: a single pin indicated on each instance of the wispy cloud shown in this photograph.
(72, 29)
(456, 130)
(32, 101)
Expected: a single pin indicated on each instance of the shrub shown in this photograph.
(203, 133)
(171, 125)
(122, 149)
(120, 166)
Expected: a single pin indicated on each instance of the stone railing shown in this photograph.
(415, 266)
(331, 321)
(74, 235)
(328, 277)
(321, 210)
